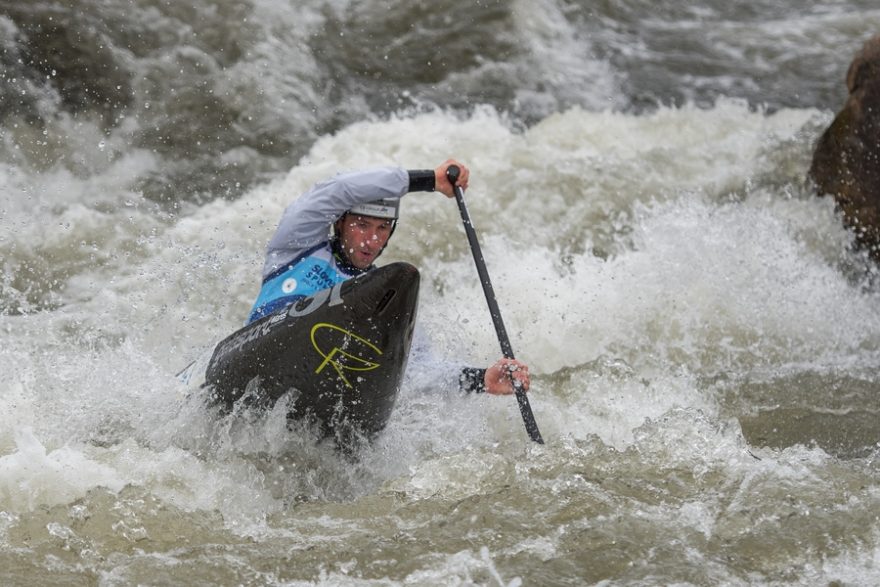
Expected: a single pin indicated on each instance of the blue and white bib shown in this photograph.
(312, 272)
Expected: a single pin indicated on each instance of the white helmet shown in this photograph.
(387, 208)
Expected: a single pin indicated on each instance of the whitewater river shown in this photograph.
(704, 340)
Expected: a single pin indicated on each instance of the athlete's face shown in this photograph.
(363, 238)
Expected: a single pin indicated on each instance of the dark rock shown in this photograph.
(846, 163)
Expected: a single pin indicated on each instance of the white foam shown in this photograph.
(629, 257)
(33, 477)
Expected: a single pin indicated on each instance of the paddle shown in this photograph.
(452, 173)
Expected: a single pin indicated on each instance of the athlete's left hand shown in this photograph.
(499, 377)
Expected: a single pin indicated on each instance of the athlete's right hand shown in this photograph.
(441, 183)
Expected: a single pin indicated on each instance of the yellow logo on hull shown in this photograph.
(341, 359)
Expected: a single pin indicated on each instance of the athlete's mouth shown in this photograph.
(366, 255)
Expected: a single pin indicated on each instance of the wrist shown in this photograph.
(422, 180)
(472, 380)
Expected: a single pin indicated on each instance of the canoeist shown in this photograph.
(337, 230)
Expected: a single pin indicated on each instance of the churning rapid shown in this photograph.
(703, 337)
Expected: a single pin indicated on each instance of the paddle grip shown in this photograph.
(452, 173)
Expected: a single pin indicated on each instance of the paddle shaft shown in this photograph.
(525, 409)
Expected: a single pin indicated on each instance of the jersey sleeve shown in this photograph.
(429, 372)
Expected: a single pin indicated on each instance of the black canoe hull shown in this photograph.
(341, 353)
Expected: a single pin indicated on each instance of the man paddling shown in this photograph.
(305, 256)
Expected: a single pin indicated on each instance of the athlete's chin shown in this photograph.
(363, 260)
